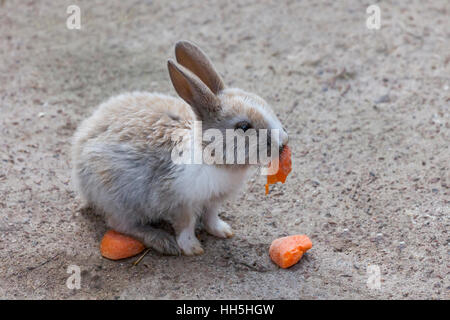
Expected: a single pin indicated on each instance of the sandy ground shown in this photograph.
(368, 117)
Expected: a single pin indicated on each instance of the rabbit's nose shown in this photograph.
(284, 138)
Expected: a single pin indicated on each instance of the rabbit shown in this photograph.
(122, 164)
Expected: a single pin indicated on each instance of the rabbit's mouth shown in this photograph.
(281, 148)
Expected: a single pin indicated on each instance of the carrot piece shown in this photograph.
(285, 167)
(287, 251)
(117, 246)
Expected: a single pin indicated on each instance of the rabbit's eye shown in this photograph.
(244, 125)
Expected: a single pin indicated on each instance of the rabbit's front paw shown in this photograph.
(219, 228)
(189, 244)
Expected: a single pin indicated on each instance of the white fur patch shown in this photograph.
(201, 182)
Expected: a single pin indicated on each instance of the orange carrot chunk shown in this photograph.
(117, 246)
(285, 167)
(287, 251)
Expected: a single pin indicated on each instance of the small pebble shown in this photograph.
(383, 99)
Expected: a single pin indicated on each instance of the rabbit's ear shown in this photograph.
(193, 58)
(192, 90)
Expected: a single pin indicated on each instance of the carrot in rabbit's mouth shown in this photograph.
(285, 167)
